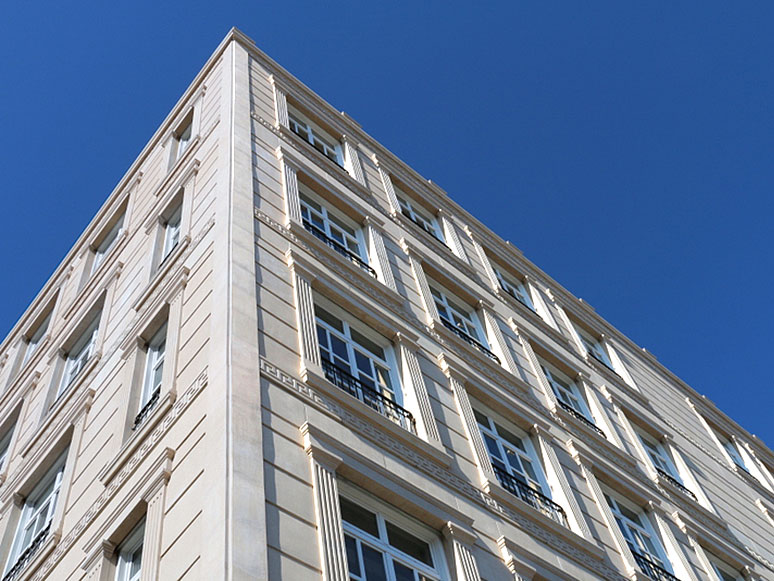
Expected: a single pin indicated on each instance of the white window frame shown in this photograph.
(79, 355)
(319, 138)
(504, 450)
(5, 445)
(346, 232)
(723, 571)
(518, 290)
(638, 532)
(32, 343)
(387, 364)
(452, 310)
(154, 365)
(107, 243)
(421, 218)
(37, 512)
(172, 233)
(181, 139)
(569, 394)
(127, 552)
(596, 348)
(391, 554)
(659, 455)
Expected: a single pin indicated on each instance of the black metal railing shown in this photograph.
(343, 379)
(27, 554)
(146, 409)
(338, 247)
(580, 417)
(470, 340)
(535, 499)
(676, 483)
(651, 569)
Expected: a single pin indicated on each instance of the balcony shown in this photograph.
(27, 554)
(470, 340)
(344, 380)
(532, 497)
(581, 418)
(338, 247)
(652, 570)
(676, 483)
(146, 409)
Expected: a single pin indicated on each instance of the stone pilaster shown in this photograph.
(280, 104)
(155, 497)
(305, 319)
(352, 161)
(464, 560)
(379, 252)
(290, 187)
(412, 375)
(498, 340)
(389, 189)
(452, 237)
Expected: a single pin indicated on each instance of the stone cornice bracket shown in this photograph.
(163, 466)
(450, 369)
(316, 450)
(410, 342)
(452, 530)
(298, 268)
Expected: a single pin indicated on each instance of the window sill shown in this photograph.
(175, 169)
(46, 549)
(106, 271)
(440, 249)
(614, 379)
(432, 452)
(136, 438)
(496, 491)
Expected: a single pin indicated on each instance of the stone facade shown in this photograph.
(278, 353)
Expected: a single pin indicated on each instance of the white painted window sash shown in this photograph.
(316, 136)
(79, 355)
(129, 563)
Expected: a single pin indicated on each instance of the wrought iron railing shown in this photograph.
(651, 569)
(27, 554)
(338, 247)
(146, 409)
(430, 230)
(676, 483)
(581, 418)
(343, 379)
(535, 499)
(470, 340)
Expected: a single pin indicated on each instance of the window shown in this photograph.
(733, 451)
(360, 362)
(104, 247)
(517, 467)
(129, 563)
(462, 320)
(154, 368)
(5, 443)
(79, 355)
(723, 571)
(171, 233)
(595, 347)
(381, 547)
(181, 139)
(315, 135)
(421, 218)
(638, 532)
(343, 235)
(565, 390)
(35, 338)
(35, 521)
(659, 456)
(518, 290)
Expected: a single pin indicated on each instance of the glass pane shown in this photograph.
(328, 319)
(353, 558)
(510, 437)
(409, 544)
(358, 516)
(373, 562)
(402, 573)
(491, 445)
(367, 344)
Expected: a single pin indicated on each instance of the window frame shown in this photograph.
(172, 232)
(154, 365)
(384, 514)
(107, 242)
(416, 214)
(126, 551)
(33, 340)
(40, 496)
(551, 372)
(529, 452)
(388, 363)
(84, 345)
(315, 132)
(455, 306)
(329, 218)
(645, 526)
(661, 451)
(518, 290)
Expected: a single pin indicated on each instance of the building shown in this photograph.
(279, 353)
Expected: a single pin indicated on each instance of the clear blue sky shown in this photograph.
(625, 147)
